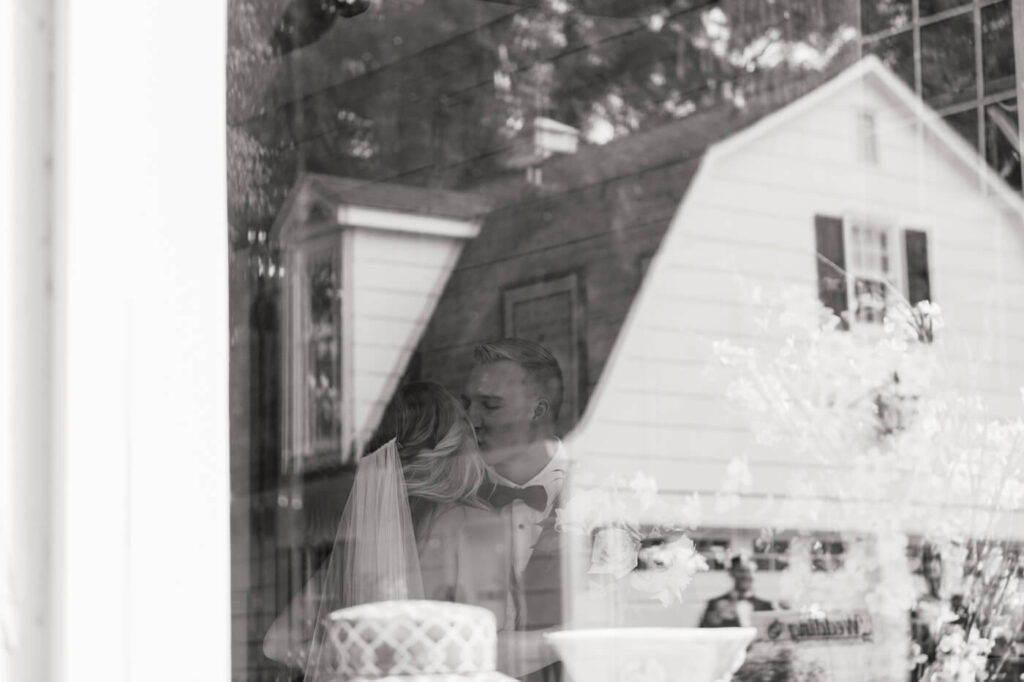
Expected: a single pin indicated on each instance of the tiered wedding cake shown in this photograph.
(412, 641)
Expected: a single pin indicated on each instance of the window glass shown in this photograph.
(556, 319)
(882, 15)
(323, 352)
(874, 281)
(929, 7)
(1001, 149)
(896, 52)
(965, 123)
(997, 47)
(948, 72)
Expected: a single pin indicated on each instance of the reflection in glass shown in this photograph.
(965, 123)
(882, 15)
(323, 290)
(871, 264)
(929, 7)
(896, 52)
(324, 356)
(1001, 141)
(947, 61)
(870, 300)
(997, 47)
(444, 96)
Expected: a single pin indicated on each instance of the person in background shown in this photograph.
(734, 608)
(931, 612)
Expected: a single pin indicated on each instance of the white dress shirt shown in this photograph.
(524, 522)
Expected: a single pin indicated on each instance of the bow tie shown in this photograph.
(534, 496)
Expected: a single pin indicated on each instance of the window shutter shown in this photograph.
(918, 280)
(831, 257)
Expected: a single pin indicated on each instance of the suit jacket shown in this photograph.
(721, 611)
(542, 581)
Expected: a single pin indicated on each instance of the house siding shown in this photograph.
(397, 279)
(749, 221)
(599, 232)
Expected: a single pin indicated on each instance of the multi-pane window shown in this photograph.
(897, 52)
(313, 341)
(958, 55)
(865, 265)
(948, 73)
(883, 15)
(1000, 140)
(966, 123)
(997, 47)
(871, 269)
(929, 7)
(322, 359)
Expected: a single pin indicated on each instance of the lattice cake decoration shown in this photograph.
(412, 641)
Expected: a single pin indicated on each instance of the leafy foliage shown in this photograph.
(895, 445)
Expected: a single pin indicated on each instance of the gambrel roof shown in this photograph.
(644, 411)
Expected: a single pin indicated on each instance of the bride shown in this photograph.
(424, 462)
(413, 528)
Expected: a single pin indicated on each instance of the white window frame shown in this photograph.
(897, 261)
(301, 452)
(131, 551)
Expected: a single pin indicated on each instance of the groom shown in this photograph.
(513, 396)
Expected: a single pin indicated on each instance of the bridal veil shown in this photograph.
(374, 557)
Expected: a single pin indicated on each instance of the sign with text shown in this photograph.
(798, 627)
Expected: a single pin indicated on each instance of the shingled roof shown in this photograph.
(600, 212)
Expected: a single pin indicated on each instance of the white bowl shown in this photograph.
(652, 654)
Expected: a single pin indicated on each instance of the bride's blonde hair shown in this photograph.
(440, 460)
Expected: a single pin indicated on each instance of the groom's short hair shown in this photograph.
(538, 362)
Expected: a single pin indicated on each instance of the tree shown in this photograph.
(431, 92)
(893, 445)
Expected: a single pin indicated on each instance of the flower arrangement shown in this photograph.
(899, 447)
(635, 534)
(974, 631)
(959, 658)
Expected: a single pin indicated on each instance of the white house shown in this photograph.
(860, 171)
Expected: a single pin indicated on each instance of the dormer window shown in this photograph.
(365, 264)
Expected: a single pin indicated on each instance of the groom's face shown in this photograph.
(501, 401)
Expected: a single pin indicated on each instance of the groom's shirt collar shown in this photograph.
(551, 477)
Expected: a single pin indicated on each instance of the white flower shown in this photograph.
(737, 476)
(812, 611)
(689, 512)
(671, 567)
(645, 488)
